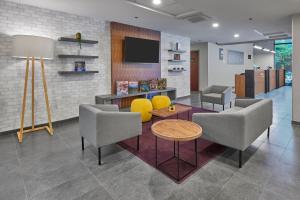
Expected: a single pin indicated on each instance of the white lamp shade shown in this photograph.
(32, 46)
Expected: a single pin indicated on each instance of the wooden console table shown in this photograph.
(113, 99)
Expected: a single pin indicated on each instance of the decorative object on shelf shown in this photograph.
(80, 66)
(162, 84)
(172, 107)
(144, 86)
(122, 87)
(153, 84)
(33, 48)
(176, 56)
(78, 38)
(177, 46)
(221, 54)
(177, 69)
(133, 87)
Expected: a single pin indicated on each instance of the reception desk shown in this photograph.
(254, 82)
(270, 80)
(280, 78)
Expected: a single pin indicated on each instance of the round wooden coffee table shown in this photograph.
(178, 131)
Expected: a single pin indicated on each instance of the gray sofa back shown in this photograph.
(237, 127)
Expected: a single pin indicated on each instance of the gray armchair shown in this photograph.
(239, 126)
(216, 94)
(102, 125)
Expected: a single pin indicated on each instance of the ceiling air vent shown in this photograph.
(193, 16)
(279, 36)
(276, 35)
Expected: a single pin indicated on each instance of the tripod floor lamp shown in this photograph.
(33, 48)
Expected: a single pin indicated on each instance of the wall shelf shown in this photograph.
(176, 70)
(176, 60)
(66, 39)
(76, 56)
(176, 51)
(77, 72)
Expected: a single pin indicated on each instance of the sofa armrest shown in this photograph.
(226, 95)
(223, 128)
(245, 102)
(206, 90)
(88, 123)
(113, 127)
(107, 107)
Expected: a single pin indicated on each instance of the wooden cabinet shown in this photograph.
(240, 85)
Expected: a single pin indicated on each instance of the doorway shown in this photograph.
(194, 71)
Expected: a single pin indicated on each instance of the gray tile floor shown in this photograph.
(45, 167)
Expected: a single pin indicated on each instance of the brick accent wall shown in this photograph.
(65, 92)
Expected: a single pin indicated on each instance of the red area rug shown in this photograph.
(206, 151)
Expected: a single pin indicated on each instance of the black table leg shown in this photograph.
(188, 116)
(196, 152)
(178, 178)
(156, 151)
(174, 148)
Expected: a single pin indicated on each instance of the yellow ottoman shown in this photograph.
(142, 106)
(159, 102)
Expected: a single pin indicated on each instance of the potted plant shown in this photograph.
(172, 107)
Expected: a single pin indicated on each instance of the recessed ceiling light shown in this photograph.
(215, 25)
(156, 2)
(236, 35)
(258, 47)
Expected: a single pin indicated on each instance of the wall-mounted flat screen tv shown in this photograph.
(139, 50)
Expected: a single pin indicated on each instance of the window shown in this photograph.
(283, 58)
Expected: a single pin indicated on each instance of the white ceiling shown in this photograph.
(233, 16)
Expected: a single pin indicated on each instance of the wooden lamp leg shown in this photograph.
(32, 94)
(20, 133)
(50, 129)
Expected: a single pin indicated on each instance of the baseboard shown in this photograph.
(296, 123)
(56, 123)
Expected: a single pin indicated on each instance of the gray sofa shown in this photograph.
(103, 125)
(216, 94)
(239, 126)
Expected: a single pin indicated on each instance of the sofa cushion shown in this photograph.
(213, 95)
(232, 110)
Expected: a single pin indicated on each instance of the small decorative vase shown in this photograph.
(172, 108)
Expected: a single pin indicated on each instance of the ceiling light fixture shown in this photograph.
(236, 35)
(273, 52)
(215, 25)
(156, 2)
(266, 50)
(257, 47)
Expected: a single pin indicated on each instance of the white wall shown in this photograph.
(296, 67)
(221, 73)
(203, 63)
(179, 80)
(264, 60)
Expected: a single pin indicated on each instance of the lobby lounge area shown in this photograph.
(142, 100)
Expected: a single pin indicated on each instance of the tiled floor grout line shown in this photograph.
(89, 171)
(22, 175)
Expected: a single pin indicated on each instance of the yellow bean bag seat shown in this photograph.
(159, 102)
(142, 106)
